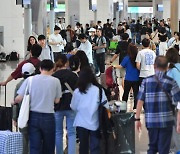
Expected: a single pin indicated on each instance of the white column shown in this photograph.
(104, 10)
(166, 9)
(42, 18)
(85, 15)
(51, 17)
(27, 25)
(174, 16)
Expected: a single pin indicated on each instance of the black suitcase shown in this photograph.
(5, 116)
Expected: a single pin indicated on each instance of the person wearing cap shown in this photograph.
(56, 42)
(28, 70)
(86, 47)
(46, 49)
(34, 54)
(92, 39)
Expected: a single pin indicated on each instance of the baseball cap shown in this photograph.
(28, 69)
(92, 30)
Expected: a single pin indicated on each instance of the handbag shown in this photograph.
(25, 107)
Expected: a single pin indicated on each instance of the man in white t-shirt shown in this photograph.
(57, 42)
(86, 47)
(145, 60)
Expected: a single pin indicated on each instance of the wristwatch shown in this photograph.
(137, 119)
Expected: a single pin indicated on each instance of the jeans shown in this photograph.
(100, 59)
(95, 62)
(159, 140)
(71, 131)
(42, 133)
(86, 136)
(138, 38)
(24, 132)
(127, 88)
(133, 37)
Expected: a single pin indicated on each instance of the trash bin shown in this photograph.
(124, 127)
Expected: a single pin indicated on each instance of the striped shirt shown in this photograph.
(158, 110)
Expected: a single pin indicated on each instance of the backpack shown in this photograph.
(109, 77)
(111, 83)
(13, 56)
(105, 123)
(2, 56)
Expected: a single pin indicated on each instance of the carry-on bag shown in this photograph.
(11, 142)
(5, 116)
(124, 127)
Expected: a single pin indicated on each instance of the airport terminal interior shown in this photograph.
(75, 22)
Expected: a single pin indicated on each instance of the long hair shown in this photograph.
(60, 61)
(86, 78)
(172, 56)
(29, 44)
(132, 53)
(83, 59)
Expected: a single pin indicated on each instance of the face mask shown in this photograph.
(90, 34)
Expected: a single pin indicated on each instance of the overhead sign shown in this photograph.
(140, 9)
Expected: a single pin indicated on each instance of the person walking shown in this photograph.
(145, 60)
(156, 94)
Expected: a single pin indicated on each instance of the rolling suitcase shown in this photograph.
(5, 116)
(11, 142)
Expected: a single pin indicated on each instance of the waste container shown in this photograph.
(124, 127)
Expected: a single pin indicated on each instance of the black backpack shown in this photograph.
(13, 56)
(105, 123)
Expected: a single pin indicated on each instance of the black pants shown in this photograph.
(159, 140)
(127, 87)
(88, 138)
(56, 54)
(100, 59)
(140, 80)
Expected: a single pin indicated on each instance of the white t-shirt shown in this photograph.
(146, 58)
(57, 38)
(87, 48)
(86, 107)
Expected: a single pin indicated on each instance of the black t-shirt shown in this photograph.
(71, 78)
(122, 50)
(162, 37)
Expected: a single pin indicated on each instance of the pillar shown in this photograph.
(39, 16)
(51, 17)
(27, 25)
(174, 16)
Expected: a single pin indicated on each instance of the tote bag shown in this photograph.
(25, 107)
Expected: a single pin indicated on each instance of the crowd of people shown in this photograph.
(63, 72)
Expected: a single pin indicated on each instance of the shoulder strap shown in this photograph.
(161, 86)
(68, 87)
(100, 95)
(50, 47)
(154, 35)
(167, 94)
(177, 68)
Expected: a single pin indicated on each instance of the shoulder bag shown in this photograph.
(25, 107)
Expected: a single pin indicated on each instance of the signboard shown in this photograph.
(140, 9)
